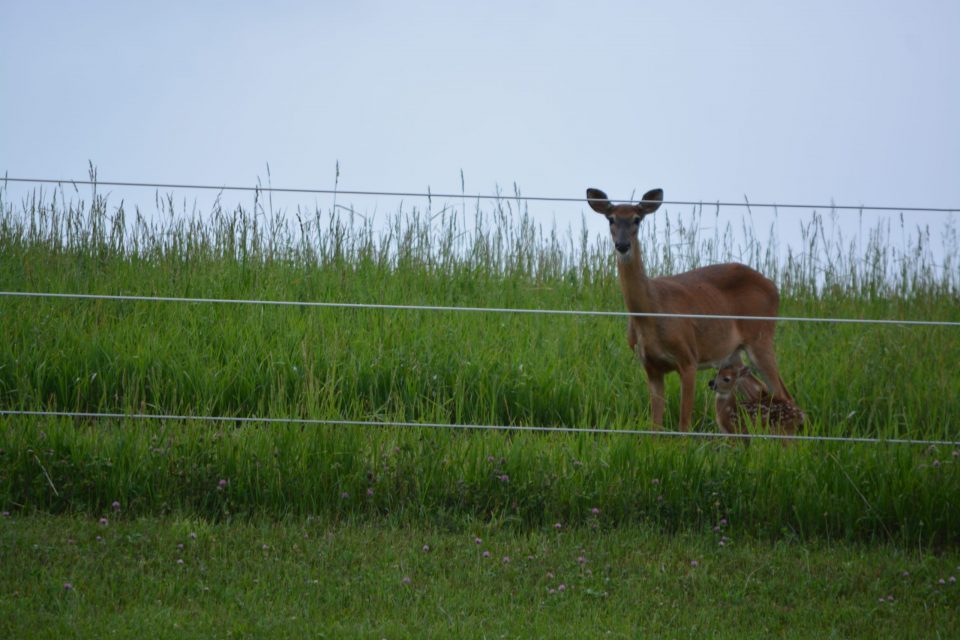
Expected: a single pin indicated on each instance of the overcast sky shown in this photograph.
(849, 101)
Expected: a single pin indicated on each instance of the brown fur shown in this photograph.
(740, 404)
(687, 344)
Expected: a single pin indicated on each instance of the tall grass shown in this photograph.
(463, 368)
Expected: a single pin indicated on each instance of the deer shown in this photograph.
(742, 401)
(686, 344)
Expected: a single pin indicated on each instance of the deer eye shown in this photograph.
(636, 220)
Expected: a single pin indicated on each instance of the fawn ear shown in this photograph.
(598, 201)
(651, 201)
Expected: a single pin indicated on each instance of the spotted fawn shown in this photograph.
(743, 400)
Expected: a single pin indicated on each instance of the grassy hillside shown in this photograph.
(451, 367)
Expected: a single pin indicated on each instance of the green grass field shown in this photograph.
(831, 503)
(68, 577)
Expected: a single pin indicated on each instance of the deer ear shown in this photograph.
(651, 203)
(598, 201)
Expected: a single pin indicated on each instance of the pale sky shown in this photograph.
(846, 101)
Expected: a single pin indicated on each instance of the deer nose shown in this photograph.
(712, 384)
(622, 247)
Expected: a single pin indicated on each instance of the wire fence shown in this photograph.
(467, 196)
(319, 422)
(407, 307)
(465, 309)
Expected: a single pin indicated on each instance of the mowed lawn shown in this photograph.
(87, 577)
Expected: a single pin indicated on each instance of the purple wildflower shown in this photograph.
(104, 522)
(116, 505)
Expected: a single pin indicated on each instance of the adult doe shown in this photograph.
(685, 344)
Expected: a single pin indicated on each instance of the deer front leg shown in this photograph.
(688, 385)
(657, 400)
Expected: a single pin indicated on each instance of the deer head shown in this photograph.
(624, 218)
(725, 380)
(738, 378)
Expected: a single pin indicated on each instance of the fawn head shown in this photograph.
(624, 218)
(738, 379)
(726, 380)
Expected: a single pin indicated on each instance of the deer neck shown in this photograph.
(638, 293)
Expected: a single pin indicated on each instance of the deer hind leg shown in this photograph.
(765, 360)
(657, 399)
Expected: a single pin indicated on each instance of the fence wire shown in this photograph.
(408, 307)
(318, 422)
(467, 196)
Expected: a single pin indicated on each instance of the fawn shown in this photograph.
(743, 400)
